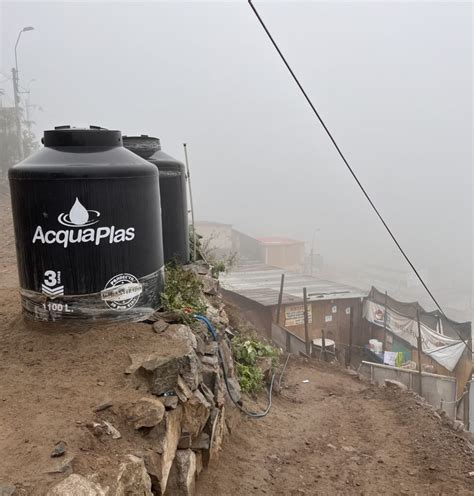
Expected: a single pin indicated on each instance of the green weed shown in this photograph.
(247, 351)
(182, 293)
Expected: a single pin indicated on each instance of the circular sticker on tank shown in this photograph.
(122, 292)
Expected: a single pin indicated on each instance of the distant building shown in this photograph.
(280, 252)
(284, 253)
(443, 350)
(254, 288)
(216, 236)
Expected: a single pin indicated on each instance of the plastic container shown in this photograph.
(174, 206)
(87, 221)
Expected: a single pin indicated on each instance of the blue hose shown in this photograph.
(213, 333)
(206, 321)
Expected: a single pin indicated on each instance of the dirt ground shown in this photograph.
(336, 435)
(52, 378)
(333, 435)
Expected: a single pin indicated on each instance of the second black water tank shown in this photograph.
(174, 205)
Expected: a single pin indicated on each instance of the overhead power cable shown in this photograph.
(354, 175)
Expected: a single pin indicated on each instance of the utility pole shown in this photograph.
(420, 375)
(306, 322)
(351, 332)
(323, 339)
(16, 95)
(280, 299)
(385, 322)
(27, 110)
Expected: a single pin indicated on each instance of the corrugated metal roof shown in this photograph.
(276, 240)
(211, 224)
(261, 283)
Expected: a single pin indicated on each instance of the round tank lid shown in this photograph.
(144, 146)
(71, 136)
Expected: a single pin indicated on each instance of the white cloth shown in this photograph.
(445, 350)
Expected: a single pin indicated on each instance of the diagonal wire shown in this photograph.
(316, 113)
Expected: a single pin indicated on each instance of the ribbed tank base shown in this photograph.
(125, 298)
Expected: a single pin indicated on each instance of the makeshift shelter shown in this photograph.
(443, 341)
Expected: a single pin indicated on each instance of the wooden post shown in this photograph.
(351, 328)
(438, 324)
(385, 322)
(323, 339)
(280, 298)
(306, 322)
(420, 391)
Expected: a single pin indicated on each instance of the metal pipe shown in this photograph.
(191, 202)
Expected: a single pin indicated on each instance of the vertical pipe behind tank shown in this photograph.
(191, 201)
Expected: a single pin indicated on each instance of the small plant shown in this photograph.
(204, 251)
(195, 238)
(219, 262)
(250, 378)
(247, 351)
(218, 267)
(182, 293)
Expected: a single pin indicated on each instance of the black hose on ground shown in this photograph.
(226, 380)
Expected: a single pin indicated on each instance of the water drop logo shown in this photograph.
(79, 216)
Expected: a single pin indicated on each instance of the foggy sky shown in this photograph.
(392, 80)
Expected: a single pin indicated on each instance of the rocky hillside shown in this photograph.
(129, 409)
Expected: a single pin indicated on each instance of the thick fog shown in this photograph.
(392, 80)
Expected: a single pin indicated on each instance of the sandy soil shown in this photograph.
(336, 435)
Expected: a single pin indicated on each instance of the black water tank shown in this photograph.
(174, 206)
(87, 223)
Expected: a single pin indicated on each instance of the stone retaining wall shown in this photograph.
(176, 428)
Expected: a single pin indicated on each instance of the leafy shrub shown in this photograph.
(182, 292)
(250, 378)
(247, 351)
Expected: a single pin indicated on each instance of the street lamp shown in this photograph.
(27, 28)
(17, 93)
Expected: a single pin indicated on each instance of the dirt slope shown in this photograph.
(52, 378)
(331, 436)
(336, 435)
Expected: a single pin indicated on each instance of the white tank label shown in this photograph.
(79, 219)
